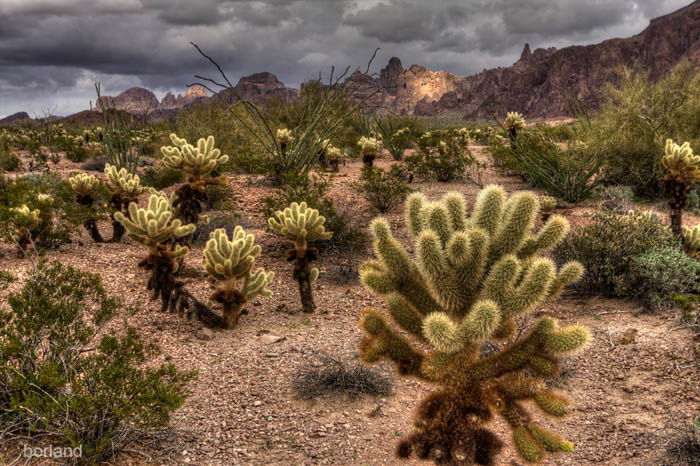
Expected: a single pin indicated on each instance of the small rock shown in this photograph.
(628, 337)
(257, 403)
(270, 338)
(205, 334)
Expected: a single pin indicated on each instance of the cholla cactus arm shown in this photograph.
(197, 162)
(691, 241)
(680, 161)
(514, 120)
(300, 224)
(284, 136)
(229, 260)
(153, 225)
(83, 184)
(123, 183)
(24, 217)
(469, 279)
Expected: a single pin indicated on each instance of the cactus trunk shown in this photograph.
(24, 239)
(118, 229)
(302, 274)
(90, 224)
(678, 200)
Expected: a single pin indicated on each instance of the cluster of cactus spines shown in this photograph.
(198, 163)
(124, 188)
(682, 171)
(369, 149)
(691, 241)
(301, 225)
(470, 279)
(24, 220)
(284, 137)
(514, 122)
(547, 206)
(230, 260)
(84, 185)
(334, 156)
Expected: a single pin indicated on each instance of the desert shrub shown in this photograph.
(444, 155)
(77, 153)
(568, 172)
(607, 247)
(656, 276)
(60, 216)
(228, 221)
(219, 197)
(615, 197)
(96, 164)
(58, 378)
(334, 376)
(162, 177)
(397, 132)
(383, 189)
(694, 200)
(8, 160)
(638, 115)
(314, 191)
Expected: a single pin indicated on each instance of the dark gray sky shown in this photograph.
(53, 51)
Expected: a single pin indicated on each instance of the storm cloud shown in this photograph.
(53, 51)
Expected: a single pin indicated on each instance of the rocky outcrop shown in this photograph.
(543, 82)
(193, 95)
(15, 118)
(257, 88)
(133, 100)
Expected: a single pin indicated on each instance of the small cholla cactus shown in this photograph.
(45, 199)
(323, 146)
(300, 224)
(514, 122)
(197, 163)
(369, 149)
(682, 171)
(228, 261)
(547, 206)
(284, 138)
(124, 187)
(691, 241)
(84, 186)
(334, 156)
(24, 220)
(470, 279)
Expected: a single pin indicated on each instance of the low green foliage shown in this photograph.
(162, 177)
(656, 276)
(383, 189)
(608, 246)
(396, 132)
(59, 378)
(444, 155)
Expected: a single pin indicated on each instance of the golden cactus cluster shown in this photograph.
(691, 241)
(196, 162)
(83, 184)
(680, 162)
(514, 121)
(300, 224)
(123, 183)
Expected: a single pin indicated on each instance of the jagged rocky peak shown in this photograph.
(15, 118)
(389, 76)
(169, 101)
(527, 53)
(135, 99)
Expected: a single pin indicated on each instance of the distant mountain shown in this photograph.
(540, 84)
(15, 118)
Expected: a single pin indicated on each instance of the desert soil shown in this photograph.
(636, 384)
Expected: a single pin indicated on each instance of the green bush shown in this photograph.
(607, 247)
(162, 177)
(656, 276)
(59, 379)
(314, 191)
(637, 117)
(383, 189)
(444, 155)
(9, 162)
(397, 132)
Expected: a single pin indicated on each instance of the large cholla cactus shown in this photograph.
(23, 220)
(691, 241)
(84, 186)
(682, 171)
(229, 261)
(334, 156)
(197, 163)
(471, 278)
(369, 149)
(514, 122)
(124, 188)
(300, 224)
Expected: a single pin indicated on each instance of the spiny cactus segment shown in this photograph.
(682, 171)
(84, 186)
(471, 277)
(369, 149)
(198, 163)
(514, 122)
(124, 187)
(301, 225)
(691, 241)
(230, 260)
(24, 220)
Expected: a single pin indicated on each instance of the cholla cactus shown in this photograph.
(335, 155)
(514, 122)
(45, 199)
(323, 146)
(197, 163)
(84, 186)
(284, 137)
(471, 278)
(24, 220)
(300, 224)
(230, 260)
(369, 149)
(682, 171)
(124, 187)
(691, 241)
(547, 206)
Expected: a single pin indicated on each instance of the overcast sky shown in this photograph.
(53, 51)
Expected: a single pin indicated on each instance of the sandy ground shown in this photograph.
(637, 381)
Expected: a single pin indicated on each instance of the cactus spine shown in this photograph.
(471, 277)
(691, 241)
(300, 224)
(229, 261)
(84, 186)
(124, 188)
(198, 163)
(682, 171)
